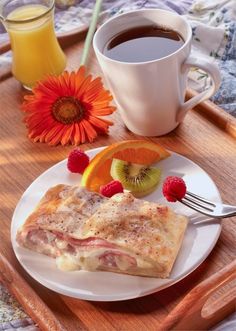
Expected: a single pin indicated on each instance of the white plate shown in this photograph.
(198, 242)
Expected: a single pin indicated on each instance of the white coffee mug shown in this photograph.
(150, 95)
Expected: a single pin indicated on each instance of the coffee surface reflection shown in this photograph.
(142, 44)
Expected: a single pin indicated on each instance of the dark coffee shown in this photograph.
(144, 43)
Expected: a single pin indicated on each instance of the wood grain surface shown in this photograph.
(198, 314)
(21, 161)
(215, 114)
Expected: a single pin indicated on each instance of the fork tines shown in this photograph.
(198, 203)
(206, 207)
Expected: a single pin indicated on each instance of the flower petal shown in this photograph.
(100, 124)
(67, 135)
(77, 135)
(89, 130)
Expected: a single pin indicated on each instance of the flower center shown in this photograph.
(67, 110)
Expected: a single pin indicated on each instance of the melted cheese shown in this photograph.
(89, 260)
(67, 263)
(122, 263)
(61, 244)
(82, 260)
(143, 264)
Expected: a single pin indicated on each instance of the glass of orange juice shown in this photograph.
(36, 51)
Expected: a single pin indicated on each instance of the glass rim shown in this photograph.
(29, 20)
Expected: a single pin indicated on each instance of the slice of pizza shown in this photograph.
(84, 230)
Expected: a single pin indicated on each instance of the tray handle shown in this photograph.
(190, 313)
(29, 300)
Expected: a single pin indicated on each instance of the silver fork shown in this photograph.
(206, 207)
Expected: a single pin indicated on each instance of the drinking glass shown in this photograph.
(36, 51)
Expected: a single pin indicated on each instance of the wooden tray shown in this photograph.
(215, 114)
(197, 311)
(29, 300)
(199, 138)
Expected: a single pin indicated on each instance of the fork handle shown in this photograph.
(232, 214)
(229, 210)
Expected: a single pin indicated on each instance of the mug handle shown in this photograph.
(212, 70)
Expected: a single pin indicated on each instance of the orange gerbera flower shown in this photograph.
(66, 109)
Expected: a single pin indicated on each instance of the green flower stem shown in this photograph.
(92, 27)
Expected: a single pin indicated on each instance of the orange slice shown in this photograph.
(136, 151)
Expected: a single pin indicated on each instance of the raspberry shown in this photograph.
(174, 188)
(77, 161)
(111, 188)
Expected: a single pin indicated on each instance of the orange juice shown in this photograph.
(36, 51)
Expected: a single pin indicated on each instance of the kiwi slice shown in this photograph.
(139, 179)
